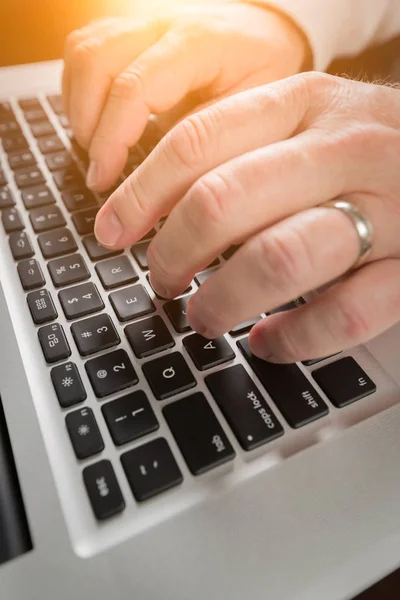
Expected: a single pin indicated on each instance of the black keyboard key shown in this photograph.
(84, 220)
(116, 272)
(29, 103)
(230, 252)
(28, 176)
(54, 343)
(95, 334)
(9, 129)
(202, 277)
(313, 361)
(103, 490)
(244, 327)
(67, 270)
(129, 418)
(45, 218)
(289, 388)
(3, 179)
(68, 385)
(84, 433)
(176, 311)
(169, 375)
(30, 274)
(37, 196)
(50, 143)
(149, 336)
(197, 432)
(42, 129)
(6, 198)
(139, 251)
(59, 160)
(68, 179)
(55, 101)
(75, 200)
(11, 220)
(96, 251)
(149, 235)
(20, 245)
(24, 158)
(15, 142)
(208, 353)
(246, 411)
(344, 382)
(57, 243)
(131, 303)
(289, 305)
(111, 373)
(33, 115)
(42, 307)
(151, 469)
(79, 152)
(80, 300)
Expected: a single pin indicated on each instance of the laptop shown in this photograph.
(138, 460)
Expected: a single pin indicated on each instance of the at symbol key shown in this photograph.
(111, 373)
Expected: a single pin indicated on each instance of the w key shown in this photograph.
(149, 336)
(80, 300)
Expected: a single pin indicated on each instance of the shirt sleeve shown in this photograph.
(340, 28)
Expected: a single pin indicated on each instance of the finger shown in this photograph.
(279, 264)
(155, 82)
(197, 145)
(351, 313)
(93, 64)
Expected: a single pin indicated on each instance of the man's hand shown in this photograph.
(118, 72)
(254, 168)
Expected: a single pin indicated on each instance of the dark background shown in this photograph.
(34, 30)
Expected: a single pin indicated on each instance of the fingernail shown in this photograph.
(260, 346)
(92, 176)
(194, 321)
(108, 228)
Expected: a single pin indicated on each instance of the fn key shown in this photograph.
(103, 490)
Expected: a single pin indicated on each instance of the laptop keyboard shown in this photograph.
(117, 342)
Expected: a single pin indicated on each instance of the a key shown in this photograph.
(32, 115)
(75, 200)
(59, 160)
(11, 220)
(131, 303)
(84, 220)
(55, 101)
(23, 158)
(20, 245)
(37, 196)
(230, 252)
(111, 373)
(80, 300)
(57, 243)
(42, 307)
(208, 353)
(246, 411)
(96, 251)
(6, 198)
(15, 142)
(42, 129)
(29, 103)
(30, 274)
(116, 272)
(103, 490)
(244, 327)
(67, 179)
(296, 303)
(67, 270)
(9, 129)
(129, 418)
(84, 433)
(197, 432)
(95, 334)
(139, 252)
(46, 218)
(50, 143)
(202, 277)
(54, 343)
(176, 311)
(188, 289)
(68, 384)
(28, 176)
(151, 469)
(168, 375)
(344, 382)
(149, 336)
(289, 388)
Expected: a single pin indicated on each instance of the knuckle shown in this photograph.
(73, 39)
(126, 86)
(85, 53)
(133, 189)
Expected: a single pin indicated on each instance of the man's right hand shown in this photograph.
(119, 71)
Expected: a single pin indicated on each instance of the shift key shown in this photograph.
(289, 388)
